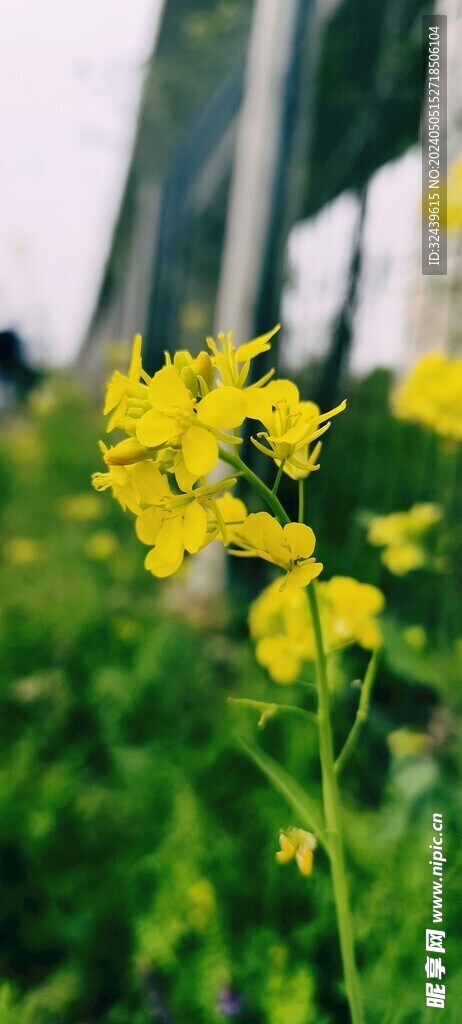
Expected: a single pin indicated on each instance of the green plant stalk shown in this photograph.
(331, 801)
(330, 792)
(268, 709)
(361, 714)
(247, 474)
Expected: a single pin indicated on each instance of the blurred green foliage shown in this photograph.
(137, 843)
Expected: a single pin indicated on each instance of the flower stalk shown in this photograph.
(331, 799)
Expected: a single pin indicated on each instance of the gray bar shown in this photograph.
(434, 145)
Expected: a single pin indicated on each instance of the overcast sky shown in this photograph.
(70, 77)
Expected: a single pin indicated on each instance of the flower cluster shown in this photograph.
(401, 536)
(432, 396)
(297, 844)
(281, 626)
(176, 424)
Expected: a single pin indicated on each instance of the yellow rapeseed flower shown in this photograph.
(175, 523)
(176, 420)
(131, 485)
(400, 534)
(352, 610)
(297, 844)
(291, 426)
(432, 395)
(233, 364)
(408, 743)
(126, 397)
(400, 559)
(290, 547)
(280, 623)
(22, 551)
(81, 507)
(416, 637)
(101, 546)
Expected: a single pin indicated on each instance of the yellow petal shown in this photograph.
(258, 405)
(169, 543)
(283, 391)
(200, 451)
(134, 372)
(302, 575)
(115, 391)
(194, 527)
(304, 860)
(183, 477)
(166, 391)
(256, 346)
(150, 482)
(287, 851)
(301, 539)
(155, 428)
(148, 525)
(224, 408)
(157, 564)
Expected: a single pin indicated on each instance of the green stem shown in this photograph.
(278, 477)
(330, 792)
(268, 496)
(361, 714)
(301, 501)
(270, 710)
(331, 802)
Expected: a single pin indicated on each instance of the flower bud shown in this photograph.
(126, 453)
(190, 380)
(204, 368)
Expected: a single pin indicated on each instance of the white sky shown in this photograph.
(70, 77)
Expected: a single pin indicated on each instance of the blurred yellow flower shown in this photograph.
(280, 623)
(400, 526)
(201, 904)
(126, 628)
(298, 845)
(290, 547)
(193, 316)
(27, 446)
(81, 507)
(416, 637)
(101, 546)
(403, 558)
(432, 395)
(352, 610)
(22, 551)
(407, 743)
(401, 533)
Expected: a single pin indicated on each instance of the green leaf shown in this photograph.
(305, 808)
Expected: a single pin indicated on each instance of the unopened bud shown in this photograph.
(190, 380)
(126, 453)
(204, 368)
(181, 359)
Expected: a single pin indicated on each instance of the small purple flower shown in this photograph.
(229, 1004)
